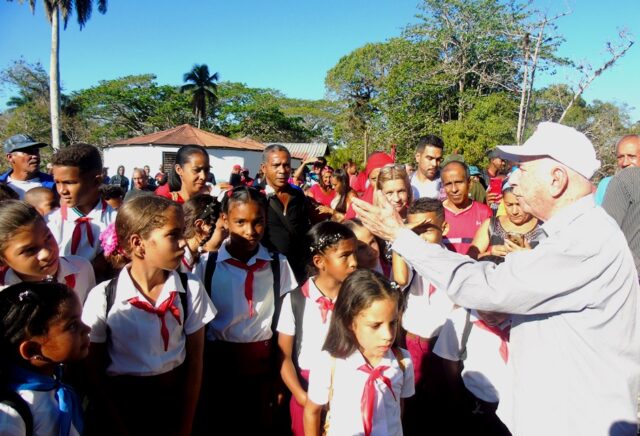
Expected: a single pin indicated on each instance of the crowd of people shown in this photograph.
(429, 297)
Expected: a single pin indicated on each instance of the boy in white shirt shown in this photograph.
(83, 215)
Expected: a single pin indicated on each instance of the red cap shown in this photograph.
(237, 167)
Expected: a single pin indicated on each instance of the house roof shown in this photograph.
(186, 134)
(303, 151)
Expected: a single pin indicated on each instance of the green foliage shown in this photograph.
(203, 89)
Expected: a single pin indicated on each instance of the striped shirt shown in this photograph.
(622, 202)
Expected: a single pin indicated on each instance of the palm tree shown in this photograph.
(203, 87)
(53, 9)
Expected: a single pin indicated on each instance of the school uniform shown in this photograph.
(74, 271)
(44, 407)
(240, 364)
(188, 263)
(78, 234)
(136, 345)
(485, 372)
(237, 320)
(316, 318)
(147, 350)
(342, 382)
(427, 308)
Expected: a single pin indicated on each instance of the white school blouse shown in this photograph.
(425, 314)
(62, 229)
(83, 277)
(44, 410)
(233, 323)
(314, 331)
(345, 416)
(136, 346)
(485, 373)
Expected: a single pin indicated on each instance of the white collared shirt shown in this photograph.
(345, 417)
(575, 342)
(101, 216)
(426, 189)
(314, 331)
(135, 344)
(21, 187)
(80, 268)
(425, 315)
(44, 410)
(233, 323)
(485, 372)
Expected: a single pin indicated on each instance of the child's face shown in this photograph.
(32, 252)
(432, 231)
(46, 204)
(194, 173)
(339, 260)
(367, 250)
(76, 189)
(396, 192)
(245, 222)
(164, 247)
(67, 339)
(375, 329)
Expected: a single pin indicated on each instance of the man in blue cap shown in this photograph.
(23, 155)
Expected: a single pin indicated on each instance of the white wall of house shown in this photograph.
(137, 156)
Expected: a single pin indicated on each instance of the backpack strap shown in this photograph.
(110, 293)
(277, 299)
(17, 403)
(298, 302)
(184, 280)
(465, 336)
(209, 270)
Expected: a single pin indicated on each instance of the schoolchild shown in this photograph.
(426, 312)
(246, 283)
(474, 346)
(306, 311)
(147, 327)
(29, 253)
(360, 375)
(40, 331)
(83, 215)
(201, 213)
(43, 199)
(368, 249)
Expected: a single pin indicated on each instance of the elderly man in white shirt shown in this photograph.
(575, 341)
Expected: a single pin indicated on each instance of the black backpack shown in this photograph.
(17, 403)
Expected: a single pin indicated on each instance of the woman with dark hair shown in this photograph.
(342, 199)
(189, 175)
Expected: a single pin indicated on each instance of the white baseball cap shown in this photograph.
(562, 143)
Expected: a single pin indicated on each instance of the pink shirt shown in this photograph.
(463, 226)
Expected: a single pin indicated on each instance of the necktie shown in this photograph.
(432, 289)
(248, 282)
(77, 233)
(503, 334)
(70, 410)
(325, 305)
(167, 305)
(368, 400)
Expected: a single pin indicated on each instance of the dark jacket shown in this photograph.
(45, 179)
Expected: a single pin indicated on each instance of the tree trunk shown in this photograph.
(523, 94)
(366, 144)
(54, 83)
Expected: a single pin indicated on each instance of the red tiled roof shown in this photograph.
(186, 134)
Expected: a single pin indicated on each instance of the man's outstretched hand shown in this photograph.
(381, 220)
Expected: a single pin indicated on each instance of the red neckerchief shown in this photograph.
(167, 305)
(369, 394)
(83, 221)
(503, 334)
(324, 303)
(248, 282)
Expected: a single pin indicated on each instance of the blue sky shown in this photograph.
(288, 45)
